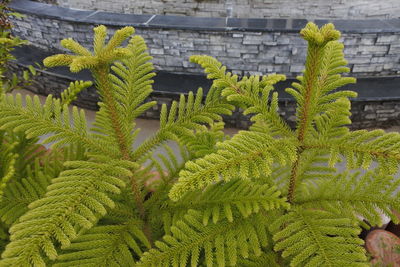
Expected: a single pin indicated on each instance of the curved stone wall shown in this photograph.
(245, 46)
(307, 9)
(373, 107)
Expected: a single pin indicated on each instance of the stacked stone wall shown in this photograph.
(245, 46)
(308, 9)
(242, 51)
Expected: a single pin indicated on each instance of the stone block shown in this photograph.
(367, 68)
(269, 43)
(254, 33)
(381, 59)
(367, 40)
(173, 61)
(387, 39)
(233, 54)
(296, 68)
(281, 60)
(370, 116)
(283, 40)
(394, 49)
(264, 68)
(237, 72)
(158, 61)
(37, 34)
(172, 52)
(360, 60)
(373, 49)
(201, 41)
(389, 66)
(187, 64)
(353, 50)
(255, 73)
(201, 48)
(385, 111)
(68, 27)
(157, 51)
(249, 56)
(216, 47)
(215, 39)
(350, 41)
(250, 49)
(252, 40)
(187, 44)
(237, 35)
(24, 24)
(369, 108)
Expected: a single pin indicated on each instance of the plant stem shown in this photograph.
(293, 178)
(109, 101)
(310, 78)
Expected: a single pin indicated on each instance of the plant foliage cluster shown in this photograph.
(268, 196)
(11, 81)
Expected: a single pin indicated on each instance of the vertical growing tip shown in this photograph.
(319, 36)
(119, 37)
(100, 34)
(100, 30)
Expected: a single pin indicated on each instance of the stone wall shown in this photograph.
(372, 48)
(365, 113)
(245, 46)
(309, 9)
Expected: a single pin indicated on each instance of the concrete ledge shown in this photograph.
(197, 23)
(301, 9)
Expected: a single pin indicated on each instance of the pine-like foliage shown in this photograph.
(88, 207)
(268, 196)
(328, 206)
(71, 93)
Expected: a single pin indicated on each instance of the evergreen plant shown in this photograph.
(268, 196)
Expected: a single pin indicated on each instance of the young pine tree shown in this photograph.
(268, 196)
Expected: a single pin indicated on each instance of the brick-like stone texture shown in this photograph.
(308, 9)
(365, 114)
(243, 52)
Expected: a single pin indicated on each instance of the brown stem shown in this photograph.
(312, 73)
(102, 74)
(293, 177)
(310, 78)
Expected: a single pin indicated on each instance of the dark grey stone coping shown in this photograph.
(197, 23)
(172, 84)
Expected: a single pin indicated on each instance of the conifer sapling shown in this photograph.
(267, 196)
